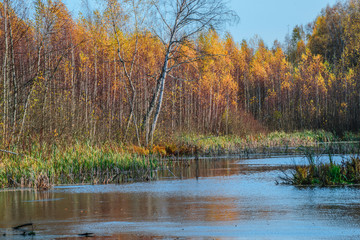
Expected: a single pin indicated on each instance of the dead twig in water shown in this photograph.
(5, 151)
(23, 225)
(171, 172)
(86, 234)
(25, 232)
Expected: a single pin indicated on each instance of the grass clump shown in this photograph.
(325, 174)
(45, 166)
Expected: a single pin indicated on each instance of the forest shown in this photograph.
(110, 75)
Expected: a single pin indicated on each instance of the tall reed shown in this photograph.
(44, 166)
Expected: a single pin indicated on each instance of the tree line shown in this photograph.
(138, 70)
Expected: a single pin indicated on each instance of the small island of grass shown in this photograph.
(325, 174)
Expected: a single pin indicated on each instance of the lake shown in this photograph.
(222, 198)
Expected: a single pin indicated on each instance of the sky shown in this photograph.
(269, 19)
(273, 19)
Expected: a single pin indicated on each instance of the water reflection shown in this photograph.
(217, 198)
(192, 168)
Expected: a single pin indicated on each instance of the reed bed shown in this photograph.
(323, 174)
(45, 166)
(272, 143)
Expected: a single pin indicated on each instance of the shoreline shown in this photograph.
(45, 165)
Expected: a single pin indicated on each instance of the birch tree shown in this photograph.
(175, 22)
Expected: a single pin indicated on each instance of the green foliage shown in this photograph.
(350, 136)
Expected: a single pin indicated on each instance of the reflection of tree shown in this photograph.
(23, 205)
(221, 209)
(207, 168)
(64, 207)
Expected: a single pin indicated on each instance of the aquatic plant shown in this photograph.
(80, 163)
(325, 174)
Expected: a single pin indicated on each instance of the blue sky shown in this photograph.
(269, 19)
(272, 19)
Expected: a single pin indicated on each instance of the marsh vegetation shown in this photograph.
(324, 173)
(45, 165)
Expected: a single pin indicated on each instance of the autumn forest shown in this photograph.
(128, 73)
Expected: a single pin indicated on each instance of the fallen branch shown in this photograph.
(5, 151)
(22, 225)
(86, 234)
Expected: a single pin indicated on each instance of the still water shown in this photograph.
(224, 198)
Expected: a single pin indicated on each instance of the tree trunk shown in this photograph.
(73, 89)
(158, 108)
(5, 74)
(14, 82)
(156, 101)
(28, 99)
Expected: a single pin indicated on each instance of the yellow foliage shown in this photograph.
(158, 150)
(138, 150)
